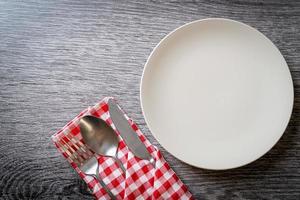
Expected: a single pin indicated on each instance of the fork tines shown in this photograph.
(76, 150)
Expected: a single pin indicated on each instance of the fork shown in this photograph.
(84, 159)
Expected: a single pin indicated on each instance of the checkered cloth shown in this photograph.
(142, 179)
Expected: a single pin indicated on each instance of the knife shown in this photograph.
(130, 137)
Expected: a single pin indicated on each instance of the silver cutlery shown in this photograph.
(127, 133)
(100, 137)
(85, 160)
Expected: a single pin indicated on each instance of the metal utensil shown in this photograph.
(100, 137)
(128, 134)
(85, 160)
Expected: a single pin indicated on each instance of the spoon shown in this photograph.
(100, 137)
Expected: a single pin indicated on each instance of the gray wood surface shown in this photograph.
(58, 57)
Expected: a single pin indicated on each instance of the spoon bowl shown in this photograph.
(100, 137)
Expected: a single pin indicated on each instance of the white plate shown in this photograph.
(216, 93)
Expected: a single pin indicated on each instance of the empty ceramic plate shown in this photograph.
(216, 93)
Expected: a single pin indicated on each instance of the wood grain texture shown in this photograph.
(58, 57)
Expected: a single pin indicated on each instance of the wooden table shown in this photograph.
(56, 58)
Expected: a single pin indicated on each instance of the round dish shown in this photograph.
(216, 93)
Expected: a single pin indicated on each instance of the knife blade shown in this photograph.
(130, 137)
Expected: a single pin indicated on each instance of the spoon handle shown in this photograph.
(120, 164)
(105, 187)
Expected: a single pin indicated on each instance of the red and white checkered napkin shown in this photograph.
(142, 180)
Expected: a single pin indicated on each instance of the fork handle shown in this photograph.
(111, 195)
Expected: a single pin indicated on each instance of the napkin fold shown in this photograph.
(141, 181)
